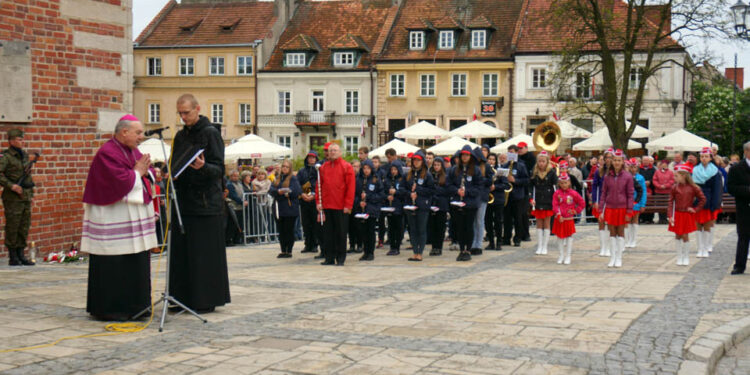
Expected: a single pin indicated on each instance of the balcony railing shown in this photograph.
(315, 118)
(592, 93)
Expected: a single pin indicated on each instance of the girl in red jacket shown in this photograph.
(681, 210)
(616, 201)
(566, 204)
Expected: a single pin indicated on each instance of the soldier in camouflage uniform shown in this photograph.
(17, 194)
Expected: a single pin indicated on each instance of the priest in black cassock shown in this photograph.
(198, 274)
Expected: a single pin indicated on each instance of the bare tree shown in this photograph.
(624, 43)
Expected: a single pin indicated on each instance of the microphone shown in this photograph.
(149, 133)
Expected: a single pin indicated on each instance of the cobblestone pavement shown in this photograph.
(736, 361)
(503, 312)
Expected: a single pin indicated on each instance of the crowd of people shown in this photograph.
(479, 201)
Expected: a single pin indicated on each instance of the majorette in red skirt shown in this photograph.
(684, 223)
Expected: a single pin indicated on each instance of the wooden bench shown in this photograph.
(658, 203)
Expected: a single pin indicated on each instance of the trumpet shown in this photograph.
(414, 188)
(510, 189)
(491, 199)
(463, 180)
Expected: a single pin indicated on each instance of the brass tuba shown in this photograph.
(547, 136)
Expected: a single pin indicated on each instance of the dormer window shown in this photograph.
(295, 59)
(478, 39)
(446, 39)
(343, 59)
(416, 40)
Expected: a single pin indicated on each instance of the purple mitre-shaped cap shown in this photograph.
(129, 117)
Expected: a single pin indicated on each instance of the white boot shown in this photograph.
(546, 233)
(686, 252)
(607, 244)
(628, 230)
(569, 249)
(539, 241)
(613, 251)
(633, 234)
(679, 253)
(603, 241)
(709, 241)
(561, 247)
(620, 250)
(699, 243)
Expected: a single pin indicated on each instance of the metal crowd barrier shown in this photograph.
(259, 225)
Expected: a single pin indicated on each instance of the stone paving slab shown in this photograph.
(508, 312)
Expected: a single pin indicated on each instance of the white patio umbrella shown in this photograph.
(250, 137)
(152, 146)
(450, 146)
(679, 141)
(503, 147)
(639, 132)
(476, 129)
(254, 148)
(600, 140)
(569, 130)
(401, 147)
(422, 130)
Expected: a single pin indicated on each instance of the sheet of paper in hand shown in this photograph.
(184, 160)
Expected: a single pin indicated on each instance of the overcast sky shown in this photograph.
(145, 10)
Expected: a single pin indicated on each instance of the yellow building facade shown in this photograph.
(444, 94)
(221, 78)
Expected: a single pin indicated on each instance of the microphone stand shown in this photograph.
(167, 298)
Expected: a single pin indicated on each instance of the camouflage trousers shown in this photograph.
(17, 223)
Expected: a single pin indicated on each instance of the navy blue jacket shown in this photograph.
(395, 182)
(308, 174)
(472, 184)
(501, 184)
(713, 190)
(522, 181)
(489, 173)
(374, 194)
(425, 188)
(441, 198)
(286, 207)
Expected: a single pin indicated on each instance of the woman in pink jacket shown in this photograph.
(662, 183)
(566, 204)
(616, 202)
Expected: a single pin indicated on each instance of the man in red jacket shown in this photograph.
(337, 184)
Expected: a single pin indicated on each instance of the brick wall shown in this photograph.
(81, 56)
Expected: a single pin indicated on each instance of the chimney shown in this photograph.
(731, 73)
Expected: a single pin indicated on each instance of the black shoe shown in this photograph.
(352, 250)
(326, 263)
(367, 257)
(288, 255)
(111, 317)
(206, 310)
(308, 250)
(339, 264)
(359, 250)
(737, 272)
(22, 259)
(393, 252)
(516, 244)
(434, 252)
(319, 257)
(506, 243)
(499, 248)
(475, 251)
(526, 239)
(463, 256)
(491, 246)
(281, 255)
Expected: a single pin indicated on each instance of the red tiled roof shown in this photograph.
(447, 22)
(209, 23)
(349, 41)
(503, 14)
(356, 24)
(538, 34)
(420, 24)
(481, 22)
(301, 42)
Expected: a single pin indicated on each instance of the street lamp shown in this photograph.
(741, 16)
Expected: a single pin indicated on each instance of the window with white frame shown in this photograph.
(216, 66)
(478, 39)
(351, 144)
(154, 113)
(153, 65)
(458, 84)
(217, 113)
(244, 65)
(187, 66)
(343, 59)
(285, 102)
(351, 101)
(244, 114)
(284, 140)
(583, 85)
(318, 100)
(398, 85)
(489, 84)
(636, 75)
(446, 39)
(295, 59)
(538, 78)
(427, 85)
(416, 40)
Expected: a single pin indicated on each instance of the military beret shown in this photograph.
(15, 133)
